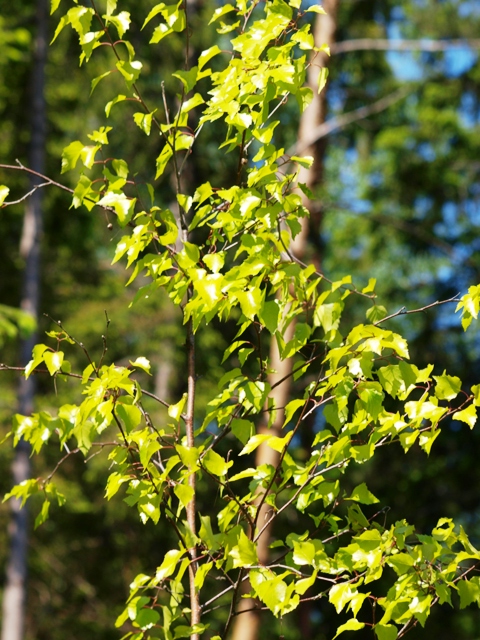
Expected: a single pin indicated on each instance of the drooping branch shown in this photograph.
(326, 128)
(379, 44)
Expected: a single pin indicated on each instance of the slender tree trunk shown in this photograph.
(247, 624)
(14, 598)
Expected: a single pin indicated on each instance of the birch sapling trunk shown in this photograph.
(247, 623)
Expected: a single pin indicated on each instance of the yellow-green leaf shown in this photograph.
(468, 415)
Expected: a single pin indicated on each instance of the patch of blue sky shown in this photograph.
(350, 184)
(407, 66)
(423, 204)
(404, 66)
(451, 213)
(472, 208)
(426, 151)
(469, 110)
(469, 9)
(459, 60)
(445, 273)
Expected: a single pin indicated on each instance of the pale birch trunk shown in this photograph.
(247, 623)
(14, 596)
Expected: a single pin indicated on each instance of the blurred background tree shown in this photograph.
(397, 199)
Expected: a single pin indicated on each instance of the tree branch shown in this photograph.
(374, 44)
(20, 167)
(326, 128)
(403, 311)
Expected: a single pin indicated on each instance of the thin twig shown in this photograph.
(27, 195)
(20, 167)
(403, 311)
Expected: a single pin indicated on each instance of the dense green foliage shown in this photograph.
(224, 257)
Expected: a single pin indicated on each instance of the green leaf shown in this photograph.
(43, 515)
(448, 387)
(111, 6)
(254, 442)
(246, 473)
(363, 495)
(328, 315)
(291, 408)
(114, 482)
(351, 625)
(162, 159)
(468, 415)
(121, 22)
(109, 105)
(81, 19)
(401, 562)
(214, 463)
(386, 631)
(188, 105)
(146, 449)
(187, 78)
(221, 11)
(469, 305)
(476, 394)
(122, 205)
(376, 313)
(183, 631)
(269, 315)
(302, 586)
(469, 591)
(279, 597)
(244, 553)
(188, 455)
(242, 429)
(274, 442)
(37, 358)
(322, 81)
(341, 594)
(158, 8)
(53, 360)
(147, 618)
(303, 552)
(184, 493)
(168, 565)
(4, 191)
(144, 121)
(130, 70)
(304, 38)
(201, 574)
(71, 155)
(250, 301)
(142, 363)
(316, 8)
(175, 410)
(24, 490)
(208, 54)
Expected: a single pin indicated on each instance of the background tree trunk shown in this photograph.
(247, 624)
(14, 598)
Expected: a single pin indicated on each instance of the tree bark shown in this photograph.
(14, 597)
(247, 622)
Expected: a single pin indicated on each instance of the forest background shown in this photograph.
(397, 199)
